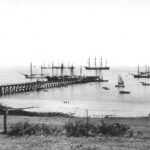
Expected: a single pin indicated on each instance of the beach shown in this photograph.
(139, 140)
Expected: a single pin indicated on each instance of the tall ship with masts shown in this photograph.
(101, 67)
(98, 70)
(145, 74)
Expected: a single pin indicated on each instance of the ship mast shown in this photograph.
(95, 61)
(138, 70)
(62, 69)
(106, 63)
(71, 70)
(89, 62)
(31, 70)
(80, 71)
(52, 69)
(95, 67)
(145, 68)
(101, 61)
(41, 70)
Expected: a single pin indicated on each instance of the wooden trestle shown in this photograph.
(39, 85)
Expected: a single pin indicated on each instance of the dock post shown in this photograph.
(5, 120)
(87, 123)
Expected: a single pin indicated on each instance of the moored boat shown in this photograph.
(124, 92)
(144, 83)
(106, 88)
(145, 74)
(120, 82)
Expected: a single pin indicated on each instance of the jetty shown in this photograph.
(40, 85)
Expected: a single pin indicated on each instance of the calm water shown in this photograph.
(89, 96)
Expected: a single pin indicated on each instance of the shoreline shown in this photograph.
(19, 112)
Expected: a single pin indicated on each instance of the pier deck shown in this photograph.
(39, 85)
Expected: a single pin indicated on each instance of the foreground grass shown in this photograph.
(140, 139)
(71, 143)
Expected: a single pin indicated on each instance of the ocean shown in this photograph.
(82, 97)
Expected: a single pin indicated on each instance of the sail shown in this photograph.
(120, 81)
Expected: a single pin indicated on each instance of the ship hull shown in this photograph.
(97, 68)
(124, 92)
(119, 86)
(146, 84)
(140, 76)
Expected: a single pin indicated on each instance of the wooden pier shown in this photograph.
(40, 85)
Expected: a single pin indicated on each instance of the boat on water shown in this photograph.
(145, 74)
(120, 82)
(146, 84)
(106, 88)
(32, 75)
(124, 92)
(101, 67)
(142, 82)
(45, 90)
(141, 76)
(101, 80)
(97, 68)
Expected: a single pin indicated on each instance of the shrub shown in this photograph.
(110, 129)
(26, 128)
(77, 128)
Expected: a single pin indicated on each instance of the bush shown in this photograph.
(113, 129)
(76, 129)
(80, 129)
(26, 128)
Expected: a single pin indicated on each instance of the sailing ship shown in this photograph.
(145, 74)
(97, 68)
(101, 67)
(32, 75)
(120, 82)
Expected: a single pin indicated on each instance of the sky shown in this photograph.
(70, 31)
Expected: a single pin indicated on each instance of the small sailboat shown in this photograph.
(120, 82)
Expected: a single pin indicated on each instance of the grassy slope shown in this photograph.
(140, 140)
